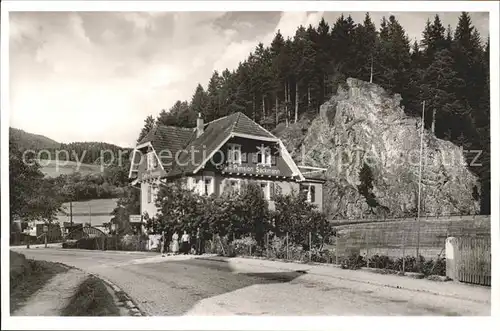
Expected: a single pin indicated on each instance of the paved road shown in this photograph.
(189, 286)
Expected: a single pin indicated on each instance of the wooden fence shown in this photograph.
(474, 260)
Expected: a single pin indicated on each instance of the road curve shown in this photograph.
(166, 286)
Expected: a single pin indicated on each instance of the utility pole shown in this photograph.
(90, 214)
(420, 179)
(71, 213)
(371, 71)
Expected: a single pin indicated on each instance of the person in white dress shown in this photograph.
(175, 243)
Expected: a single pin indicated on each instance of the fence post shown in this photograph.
(367, 249)
(452, 257)
(337, 249)
(404, 246)
(267, 244)
(287, 245)
(310, 246)
(386, 241)
(213, 247)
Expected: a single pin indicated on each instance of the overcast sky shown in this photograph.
(96, 76)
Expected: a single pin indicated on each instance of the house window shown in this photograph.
(266, 189)
(312, 194)
(208, 186)
(264, 156)
(310, 191)
(199, 186)
(234, 154)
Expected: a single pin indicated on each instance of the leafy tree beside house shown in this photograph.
(254, 211)
(32, 197)
(179, 209)
(236, 215)
(296, 216)
(129, 204)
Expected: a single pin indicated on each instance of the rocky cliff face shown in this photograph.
(362, 127)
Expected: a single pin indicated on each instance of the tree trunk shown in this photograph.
(371, 71)
(296, 102)
(263, 107)
(253, 107)
(277, 107)
(286, 103)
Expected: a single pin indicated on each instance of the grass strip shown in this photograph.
(27, 277)
(92, 298)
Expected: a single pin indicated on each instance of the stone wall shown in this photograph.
(391, 237)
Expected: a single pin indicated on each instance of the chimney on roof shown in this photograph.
(199, 125)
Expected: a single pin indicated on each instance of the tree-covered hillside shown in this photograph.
(448, 69)
(25, 140)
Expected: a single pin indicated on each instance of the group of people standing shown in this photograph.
(185, 245)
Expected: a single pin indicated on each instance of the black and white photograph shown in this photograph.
(316, 159)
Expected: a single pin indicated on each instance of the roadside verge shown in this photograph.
(42, 288)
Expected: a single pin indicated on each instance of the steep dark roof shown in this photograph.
(163, 138)
(246, 126)
(214, 134)
(173, 138)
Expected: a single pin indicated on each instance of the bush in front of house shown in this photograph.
(238, 215)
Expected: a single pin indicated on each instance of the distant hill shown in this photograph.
(90, 155)
(26, 140)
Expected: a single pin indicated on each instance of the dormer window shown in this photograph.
(264, 156)
(234, 154)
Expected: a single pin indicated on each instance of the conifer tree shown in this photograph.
(199, 101)
(149, 123)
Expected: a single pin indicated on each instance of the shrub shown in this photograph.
(322, 256)
(242, 246)
(381, 262)
(434, 267)
(410, 264)
(353, 262)
(426, 267)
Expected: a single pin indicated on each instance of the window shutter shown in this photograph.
(313, 193)
(244, 157)
(272, 189)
